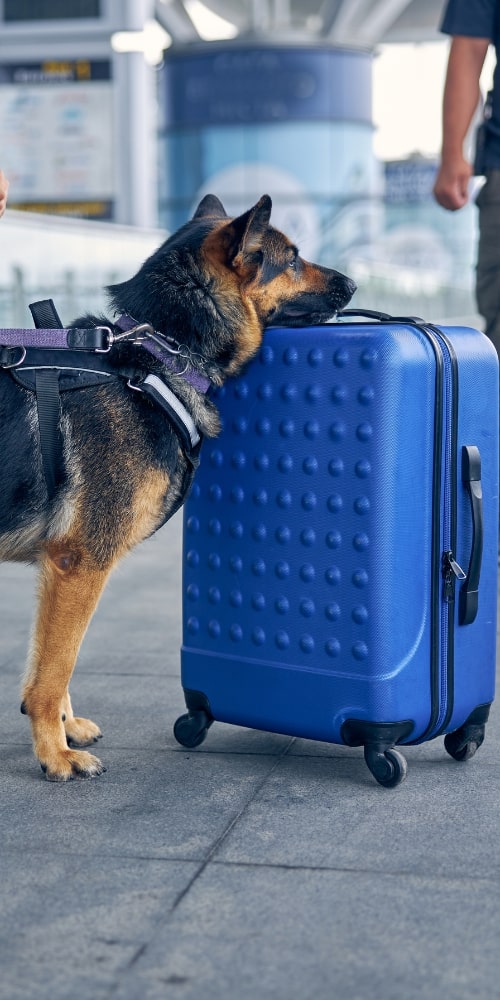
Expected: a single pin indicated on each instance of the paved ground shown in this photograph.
(254, 867)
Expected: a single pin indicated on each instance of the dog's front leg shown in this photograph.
(70, 587)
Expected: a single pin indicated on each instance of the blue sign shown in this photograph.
(409, 181)
(233, 85)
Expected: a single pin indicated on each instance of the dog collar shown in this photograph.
(166, 349)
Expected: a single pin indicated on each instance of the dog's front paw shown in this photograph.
(63, 765)
(81, 732)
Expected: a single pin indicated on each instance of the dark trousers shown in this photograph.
(488, 259)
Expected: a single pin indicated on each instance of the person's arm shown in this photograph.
(4, 187)
(460, 100)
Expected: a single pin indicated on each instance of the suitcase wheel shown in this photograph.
(463, 743)
(388, 767)
(190, 729)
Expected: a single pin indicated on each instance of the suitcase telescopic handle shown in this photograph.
(364, 314)
(381, 317)
(471, 478)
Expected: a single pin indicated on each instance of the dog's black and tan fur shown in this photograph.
(214, 286)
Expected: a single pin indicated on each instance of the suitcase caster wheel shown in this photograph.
(190, 730)
(463, 743)
(388, 767)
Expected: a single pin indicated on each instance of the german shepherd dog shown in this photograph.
(213, 286)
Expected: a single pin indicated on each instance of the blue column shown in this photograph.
(290, 121)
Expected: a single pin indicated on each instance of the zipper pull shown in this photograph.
(451, 572)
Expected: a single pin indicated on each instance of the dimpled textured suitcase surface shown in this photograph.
(325, 538)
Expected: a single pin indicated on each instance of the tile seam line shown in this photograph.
(201, 868)
(280, 866)
(348, 870)
(221, 838)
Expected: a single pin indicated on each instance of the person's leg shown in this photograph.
(488, 258)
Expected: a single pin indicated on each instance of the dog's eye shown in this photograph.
(293, 264)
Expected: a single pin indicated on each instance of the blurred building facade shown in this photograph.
(124, 111)
(77, 119)
(291, 121)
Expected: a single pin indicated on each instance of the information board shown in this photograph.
(56, 136)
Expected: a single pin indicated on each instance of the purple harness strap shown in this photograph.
(169, 357)
(34, 338)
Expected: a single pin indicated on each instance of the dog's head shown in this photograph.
(218, 282)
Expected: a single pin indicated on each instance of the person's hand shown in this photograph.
(451, 188)
(4, 187)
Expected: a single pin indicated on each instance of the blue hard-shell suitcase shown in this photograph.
(340, 542)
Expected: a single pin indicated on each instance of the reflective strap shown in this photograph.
(153, 386)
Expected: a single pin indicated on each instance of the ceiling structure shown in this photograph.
(363, 23)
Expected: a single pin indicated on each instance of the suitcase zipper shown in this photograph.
(451, 570)
(447, 569)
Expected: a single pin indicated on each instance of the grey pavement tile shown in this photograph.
(313, 881)
(238, 740)
(70, 926)
(138, 616)
(14, 727)
(140, 608)
(17, 601)
(147, 804)
(134, 711)
(17, 585)
(279, 934)
(131, 708)
(443, 819)
(123, 649)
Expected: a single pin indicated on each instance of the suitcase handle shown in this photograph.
(364, 314)
(471, 478)
(380, 316)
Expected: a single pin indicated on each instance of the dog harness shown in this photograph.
(33, 359)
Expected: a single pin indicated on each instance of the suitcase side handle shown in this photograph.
(471, 478)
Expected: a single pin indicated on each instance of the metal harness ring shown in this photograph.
(15, 364)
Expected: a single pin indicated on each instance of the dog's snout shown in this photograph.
(345, 288)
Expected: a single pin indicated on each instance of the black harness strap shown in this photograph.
(40, 370)
(47, 401)
(45, 315)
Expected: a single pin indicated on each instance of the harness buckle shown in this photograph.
(111, 338)
(5, 353)
(140, 332)
(136, 334)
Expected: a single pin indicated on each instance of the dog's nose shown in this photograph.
(345, 288)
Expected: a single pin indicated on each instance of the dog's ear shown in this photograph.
(249, 229)
(210, 206)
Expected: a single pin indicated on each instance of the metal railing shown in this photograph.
(68, 260)
(71, 261)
